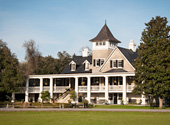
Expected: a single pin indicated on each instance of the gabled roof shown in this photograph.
(129, 54)
(104, 35)
(79, 65)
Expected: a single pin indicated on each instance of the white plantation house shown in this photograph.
(106, 76)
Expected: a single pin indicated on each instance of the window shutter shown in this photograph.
(85, 66)
(116, 63)
(94, 62)
(111, 64)
(122, 63)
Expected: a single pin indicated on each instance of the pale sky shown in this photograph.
(58, 25)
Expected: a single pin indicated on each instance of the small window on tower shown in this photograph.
(97, 43)
(104, 43)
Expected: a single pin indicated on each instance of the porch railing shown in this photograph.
(97, 88)
(116, 88)
(82, 88)
(130, 87)
(60, 88)
(34, 89)
(46, 88)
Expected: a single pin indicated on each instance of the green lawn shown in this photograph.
(122, 107)
(126, 107)
(83, 118)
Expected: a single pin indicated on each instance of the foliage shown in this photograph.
(73, 94)
(153, 64)
(63, 60)
(47, 65)
(32, 56)
(11, 77)
(45, 95)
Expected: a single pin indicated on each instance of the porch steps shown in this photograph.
(64, 97)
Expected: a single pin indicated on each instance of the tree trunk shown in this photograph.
(160, 102)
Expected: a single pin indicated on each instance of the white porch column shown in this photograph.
(26, 90)
(89, 89)
(55, 85)
(124, 90)
(69, 82)
(13, 97)
(106, 88)
(76, 89)
(143, 100)
(41, 89)
(51, 88)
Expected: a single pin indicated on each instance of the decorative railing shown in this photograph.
(46, 88)
(130, 87)
(97, 88)
(60, 88)
(34, 89)
(82, 88)
(116, 88)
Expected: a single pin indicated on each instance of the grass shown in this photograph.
(83, 118)
(126, 107)
(122, 107)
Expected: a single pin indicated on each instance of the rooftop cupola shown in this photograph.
(105, 35)
(104, 39)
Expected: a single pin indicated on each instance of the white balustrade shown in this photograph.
(60, 88)
(116, 88)
(82, 88)
(46, 88)
(130, 87)
(97, 88)
(34, 89)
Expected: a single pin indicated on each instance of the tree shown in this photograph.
(63, 60)
(11, 77)
(153, 64)
(47, 65)
(73, 94)
(45, 95)
(32, 56)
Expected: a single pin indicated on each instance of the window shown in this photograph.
(116, 63)
(120, 63)
(87, 66)
(100, 43)
(73, 67)
(98, 62)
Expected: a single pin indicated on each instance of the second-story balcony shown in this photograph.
(112, 88)
(34, 89)
(60, 89)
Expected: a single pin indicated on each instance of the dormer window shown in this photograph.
(86, 65)
(72, 66)
(116, 63)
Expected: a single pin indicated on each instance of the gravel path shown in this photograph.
(77, 109)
